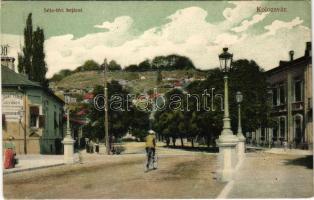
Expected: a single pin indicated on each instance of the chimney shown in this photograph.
(308, 49)
(8, 62)
(291, 53)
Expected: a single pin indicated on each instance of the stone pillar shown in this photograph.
(227, 160)
(68, 143)
(68, 150)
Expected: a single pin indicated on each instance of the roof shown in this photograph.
(88, 96)
(10, 78)
(302, 61)
(283, 65)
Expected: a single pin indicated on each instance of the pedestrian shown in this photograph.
(9, 154)
(87, 145)
(91, 146)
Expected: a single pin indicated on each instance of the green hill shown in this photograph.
(137, 82)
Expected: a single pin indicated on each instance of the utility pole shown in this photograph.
(105, 65)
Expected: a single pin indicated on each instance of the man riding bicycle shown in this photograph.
(150, 146)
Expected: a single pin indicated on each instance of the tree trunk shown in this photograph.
(174, 141)
(192, 142)
(167, 141)
(182, 145)
(207, 141)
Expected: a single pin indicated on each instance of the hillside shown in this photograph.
(136, 81)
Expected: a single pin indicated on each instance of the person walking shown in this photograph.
(9, 154)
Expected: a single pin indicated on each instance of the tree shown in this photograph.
(39, 68)
(28, 46)
(88, 65)
(145, 65)
(32, 59)
(119, 119)
(139, 124)
(20, 65)
(114, 66)
(131, 68)
(61, 74)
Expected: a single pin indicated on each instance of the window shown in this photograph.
(34, 115)
(282, 127)
(275, 96)
(56, 125)
(275, 131)
(298, 90)
(282, 95)
(298, 128)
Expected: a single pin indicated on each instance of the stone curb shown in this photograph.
(31, 169)
(226, 190)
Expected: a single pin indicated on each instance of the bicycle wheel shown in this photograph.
(155, 162)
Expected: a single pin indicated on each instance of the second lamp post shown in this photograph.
(241, 138)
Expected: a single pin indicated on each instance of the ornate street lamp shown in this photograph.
(239, 99)
(241, 143)
(227, 141)
(225, 59)
(68, 141)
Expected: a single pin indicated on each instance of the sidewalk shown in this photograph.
(268, 175)
(32, 162)
(281, 150)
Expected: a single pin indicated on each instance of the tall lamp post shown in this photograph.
(104, 66)
(241, 138)
(227, 141)
(68, 141)
(21, 115)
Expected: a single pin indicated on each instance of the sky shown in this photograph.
(130, 32)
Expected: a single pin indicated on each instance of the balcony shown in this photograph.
(279, 108)
(297, 106)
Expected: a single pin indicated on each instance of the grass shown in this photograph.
(137, 81)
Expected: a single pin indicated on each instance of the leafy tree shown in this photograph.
(28, 46)
(121, 120)
(131, 68)
(114, 66)
(145, 65)
(88, 65)
(20, 65)
(61, 74)
(205, 119)
(32, 60)
(139, 124)
(38, 60)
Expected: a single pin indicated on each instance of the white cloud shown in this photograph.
(241, 10)
(187, 33)
(277, 24)
(120, 24)
(246, 23)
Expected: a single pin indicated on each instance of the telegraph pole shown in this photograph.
(105, 65)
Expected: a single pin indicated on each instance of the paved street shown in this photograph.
(268, 175)
(180, 175)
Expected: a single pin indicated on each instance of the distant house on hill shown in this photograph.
(88, 97)
(31, 114)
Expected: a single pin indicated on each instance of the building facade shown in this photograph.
(31, 114)
(291, 101)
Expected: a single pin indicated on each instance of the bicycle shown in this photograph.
(152, 160)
